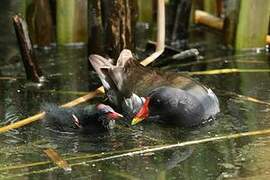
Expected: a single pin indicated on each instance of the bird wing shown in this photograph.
(124, 56)
(99, 63)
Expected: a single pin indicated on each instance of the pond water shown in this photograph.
(108, 155)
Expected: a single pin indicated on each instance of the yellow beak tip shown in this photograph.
(136, 121)
(133, 123)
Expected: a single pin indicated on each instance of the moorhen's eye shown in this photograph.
(156, 102)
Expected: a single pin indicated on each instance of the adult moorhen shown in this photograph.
(89, 119)
(167, 96)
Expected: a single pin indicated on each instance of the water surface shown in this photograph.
(99, 156)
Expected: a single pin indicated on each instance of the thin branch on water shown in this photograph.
(64, 92)
(246, 98)
(100, 90)
(145, 150)
(228, 71)
(221, 60)
(8, 78)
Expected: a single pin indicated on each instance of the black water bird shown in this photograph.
(88, 119)
(165, 96)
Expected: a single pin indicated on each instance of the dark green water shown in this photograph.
(103, 156)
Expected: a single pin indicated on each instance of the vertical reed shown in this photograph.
(210, 6)
(252, 24)
(65, 12)
(145, 11)
(71, 21)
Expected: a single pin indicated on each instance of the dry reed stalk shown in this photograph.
(160, 34)
(8, 78)
(247, 98)
(227, 71)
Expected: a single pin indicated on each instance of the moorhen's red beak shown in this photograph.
(142, 114)
(114, 115)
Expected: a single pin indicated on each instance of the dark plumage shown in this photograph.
(89, 119)
(145, 92)
(181, 107)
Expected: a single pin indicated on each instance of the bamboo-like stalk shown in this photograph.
(100, 90)
(252, 24)
(145, 11)
(64, 18)
(227, 71)
(71, 23)
(210, 6)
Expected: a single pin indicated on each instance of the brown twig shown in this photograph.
(202, 17)
(57, 159)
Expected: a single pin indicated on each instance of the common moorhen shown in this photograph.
(89, 119)
(167, 96)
